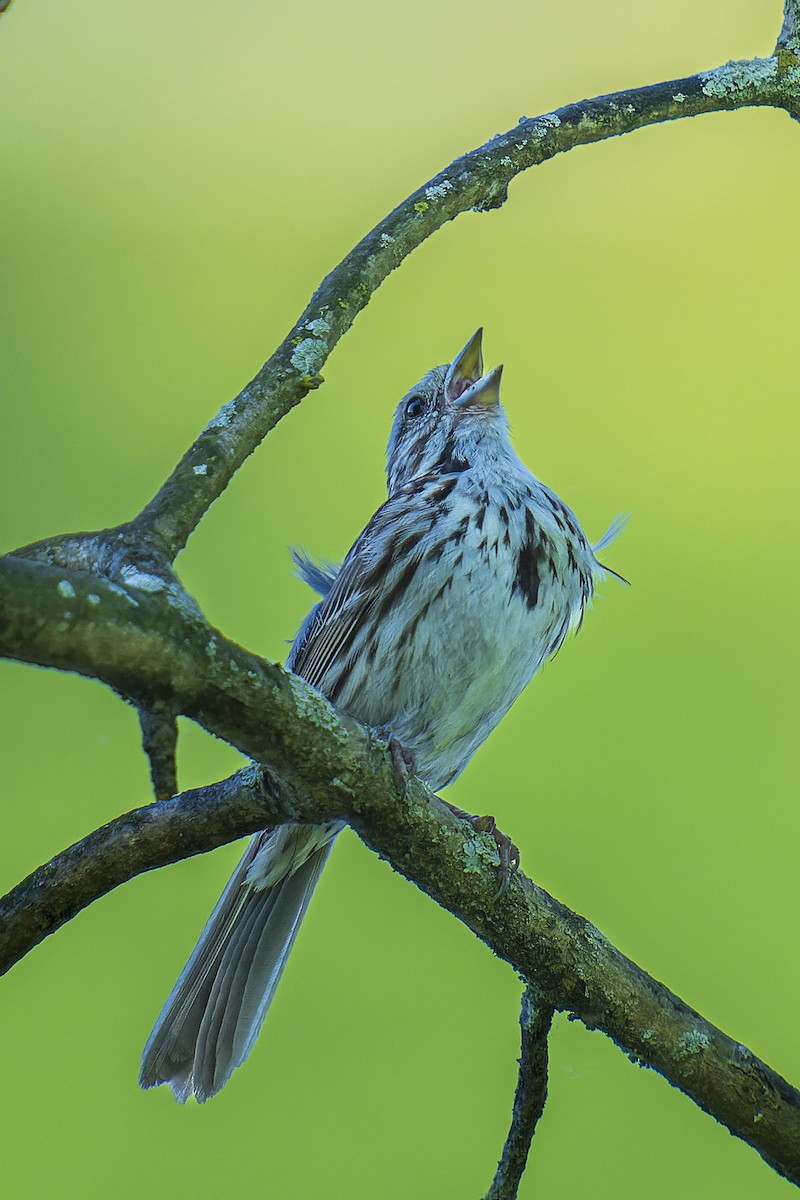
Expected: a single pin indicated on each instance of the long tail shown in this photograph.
(212, 1017)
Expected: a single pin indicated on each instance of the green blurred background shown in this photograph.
(176, 180)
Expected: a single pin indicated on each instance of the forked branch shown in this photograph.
(109, 606)
(326, 766)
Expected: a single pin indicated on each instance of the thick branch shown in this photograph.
(476, 181)
(153, 650)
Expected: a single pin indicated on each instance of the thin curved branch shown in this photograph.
(535, 1019)
(142, 840)
(331, 767)
(476, 181)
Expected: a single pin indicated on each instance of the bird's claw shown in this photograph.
(507, 851)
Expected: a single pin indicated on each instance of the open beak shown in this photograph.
(483, 394)
(465, 370)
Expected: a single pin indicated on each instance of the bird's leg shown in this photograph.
(404, 761)
(507, 851)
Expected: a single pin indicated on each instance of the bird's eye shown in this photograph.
(414, 407)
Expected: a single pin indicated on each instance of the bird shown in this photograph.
(464, 582)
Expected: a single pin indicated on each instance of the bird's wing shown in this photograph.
(368, 577)
(330, 625)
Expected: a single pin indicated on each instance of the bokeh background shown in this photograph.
(177, 178)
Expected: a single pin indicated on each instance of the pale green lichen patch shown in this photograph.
(309, 706)
(66, 589)
(541, 126)
(679, 98)
(737, 76)
(320, 327)
(201, 470)
(477, 855)
(436, 190)
(92, 598)
(472, 857)
(693, 1041)
(309, 355)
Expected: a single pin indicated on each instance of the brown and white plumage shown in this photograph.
(464, 582)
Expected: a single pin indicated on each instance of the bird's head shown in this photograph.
(448, 422)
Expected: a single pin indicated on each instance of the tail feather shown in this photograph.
(215, 1011)
(214, 1056)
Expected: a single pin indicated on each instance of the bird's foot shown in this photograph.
(404, 761)
(508, 853)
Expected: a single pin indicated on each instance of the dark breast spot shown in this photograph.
(526, 580)
(533, 560)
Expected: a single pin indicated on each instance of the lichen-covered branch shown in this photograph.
(108, 605)
(478, 180)
(326, 766)
(535, 1019)
(789, 38)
